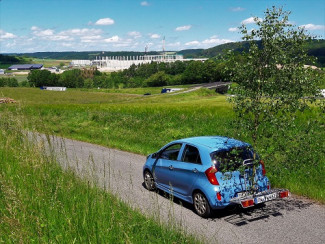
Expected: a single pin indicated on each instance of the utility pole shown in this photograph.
(163, 46)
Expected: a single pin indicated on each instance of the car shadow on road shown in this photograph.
(276, 208)
(240, 217)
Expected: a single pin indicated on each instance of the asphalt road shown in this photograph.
(294, 220)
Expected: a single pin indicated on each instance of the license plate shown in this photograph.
(265, 198)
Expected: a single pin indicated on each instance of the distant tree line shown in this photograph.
(9, 82)
(8, 60)
(143, 75)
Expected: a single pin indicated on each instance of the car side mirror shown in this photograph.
(154, 155)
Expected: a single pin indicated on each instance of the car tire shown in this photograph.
(149, 181)
(201, 205)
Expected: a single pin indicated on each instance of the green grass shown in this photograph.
(50, 62)
(19, 77)
(71, 96)
(139, 91)
(143, 124)
(41, 203)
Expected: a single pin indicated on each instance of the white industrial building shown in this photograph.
(81, 63)
(116, 63)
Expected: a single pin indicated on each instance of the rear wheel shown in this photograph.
(201, 205)
(149, 181)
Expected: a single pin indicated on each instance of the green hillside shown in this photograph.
(81, 55)
(8, 60)
(315, 48)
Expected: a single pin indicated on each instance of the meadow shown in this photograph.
(143, 124)
(50, 62)
(39, 202)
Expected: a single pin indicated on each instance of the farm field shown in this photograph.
(50, 62)
(143, 124)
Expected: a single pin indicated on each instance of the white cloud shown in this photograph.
(81, 32)
(66, 35)
(34, 28)
(175, 44)
(192, 43)
(233, 29)
(144, 3)
(313, 27)
(112, 39)
(67, 44)
(183, 28)
(6, 35)
(47, 32)
(237, 9)
(215, 41)
(210, 42)
(155, 36)
(105, 21)
(250, 20)
(90, 38)
(121, 45)
(135, 34)
(59, 38)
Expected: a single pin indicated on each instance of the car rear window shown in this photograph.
(231, 159)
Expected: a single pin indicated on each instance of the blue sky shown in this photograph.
(130, 25)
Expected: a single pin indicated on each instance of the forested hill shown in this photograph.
(82, 55)
(315, 48)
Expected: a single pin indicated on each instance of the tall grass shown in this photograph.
(39, 202)
(295, 160)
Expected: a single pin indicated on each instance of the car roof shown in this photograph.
(214, 143)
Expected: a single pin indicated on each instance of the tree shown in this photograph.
(42, 78)
(273, 81)
(158, 79)
(273, 87)
(72, 78)
(194, 73)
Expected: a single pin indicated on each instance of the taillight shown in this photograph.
(263, 167)
(284, 194)
(210, 173)
(247, 203)
(219, 196)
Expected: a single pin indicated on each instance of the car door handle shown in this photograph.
(171, 167)
(195, 170)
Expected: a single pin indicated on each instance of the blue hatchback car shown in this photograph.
(211, 172)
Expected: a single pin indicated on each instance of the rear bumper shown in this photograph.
(261, 197)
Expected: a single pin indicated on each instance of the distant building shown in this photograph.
(54, 69)
(167, 90)
(2, 71)
(81, 63)
(115, 63)
(53, 88)
(25, 66)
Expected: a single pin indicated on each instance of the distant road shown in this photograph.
(294, 220)
(212, 85)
